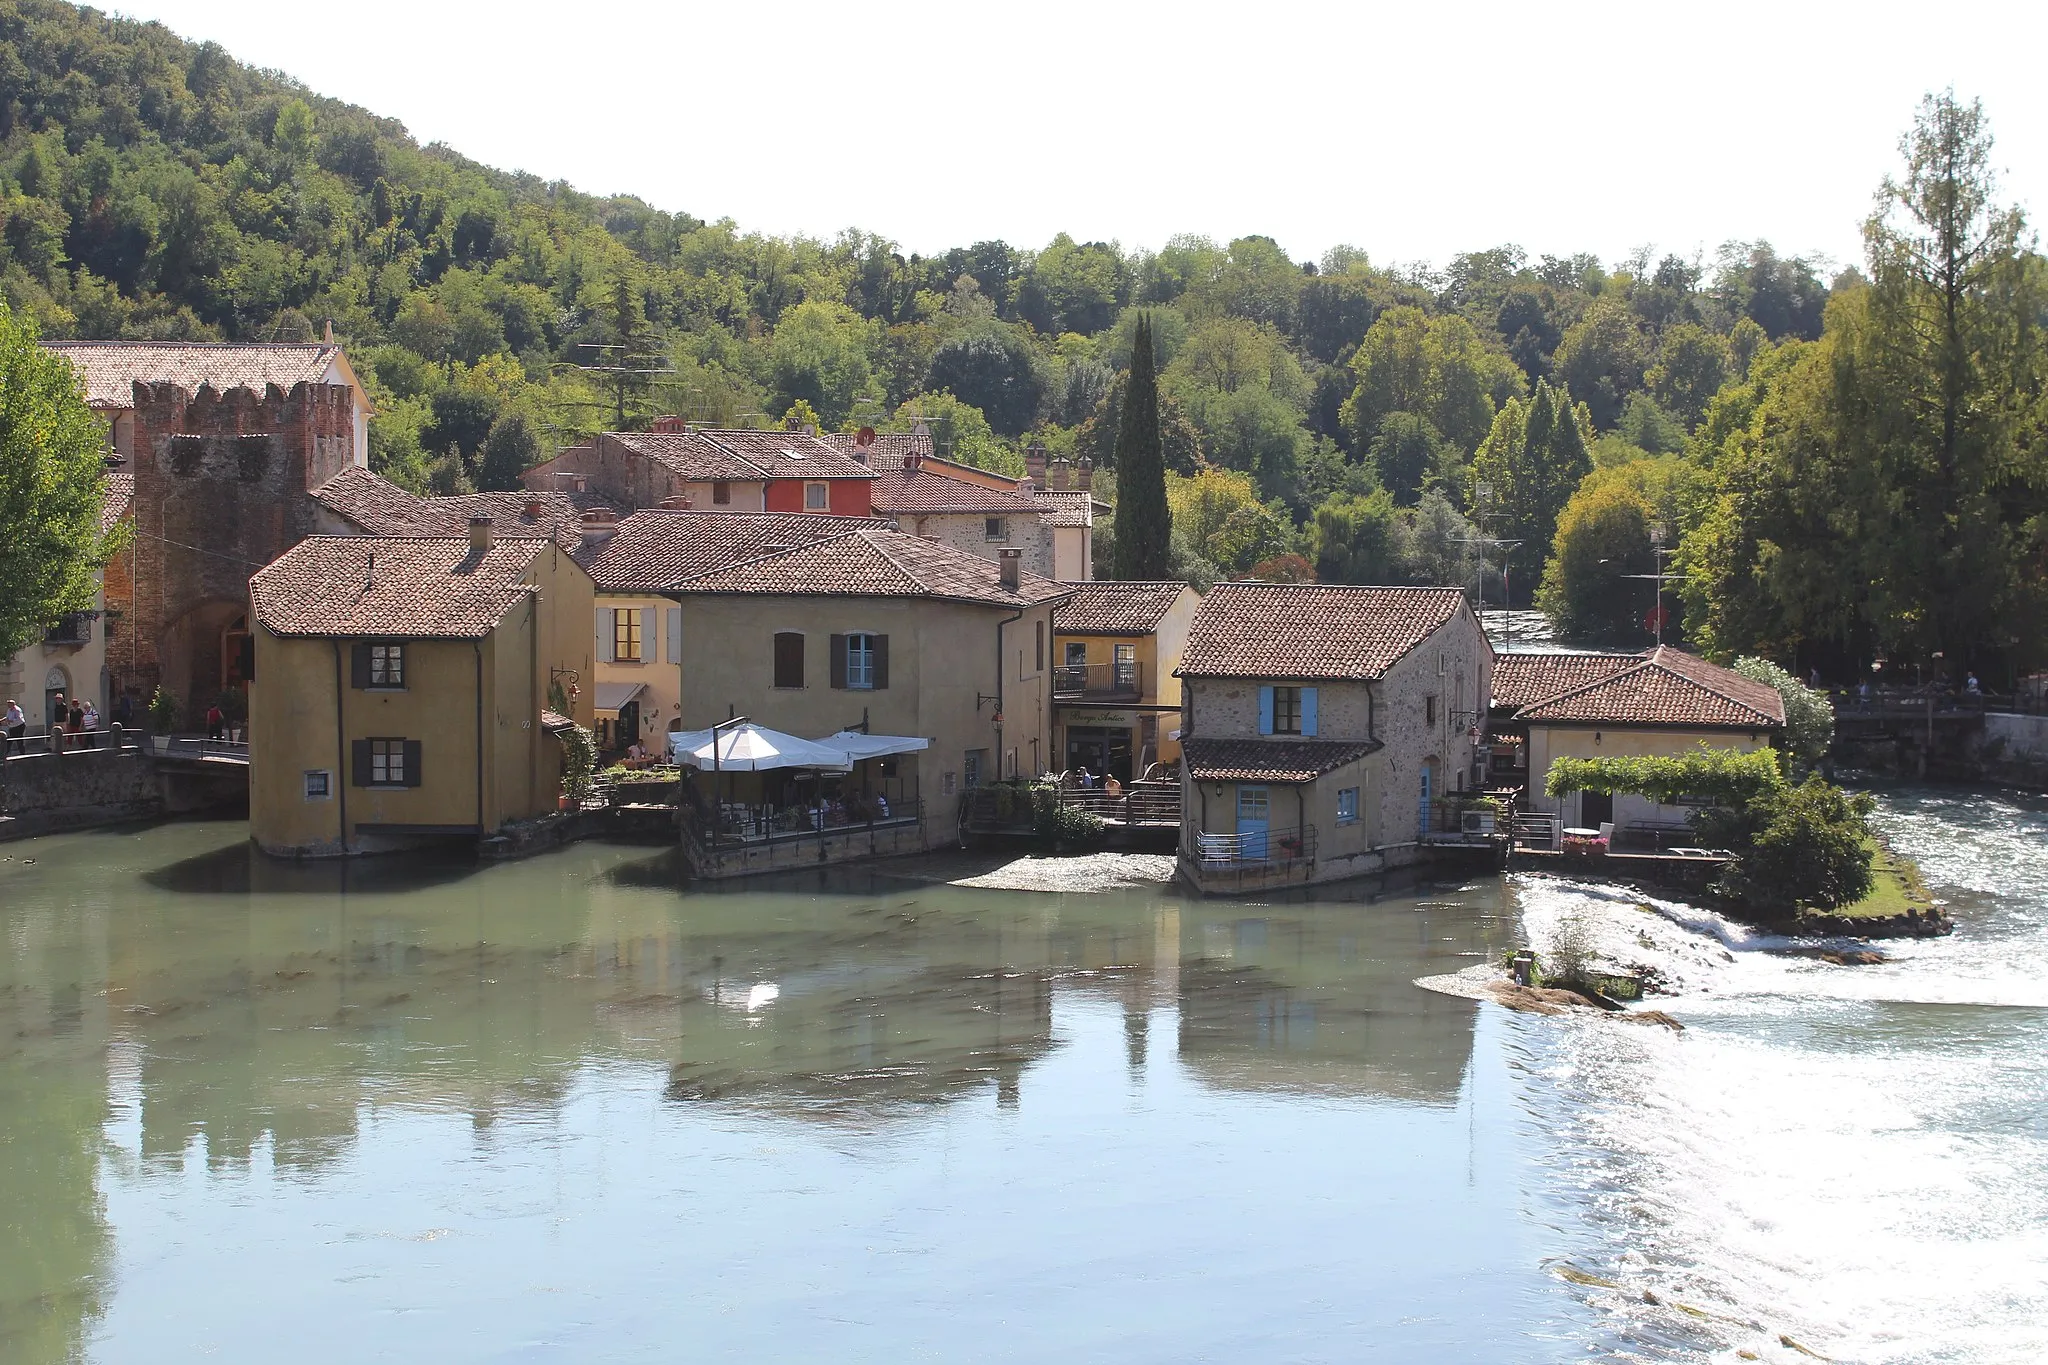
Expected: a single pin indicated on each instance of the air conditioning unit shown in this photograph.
(1478, 822)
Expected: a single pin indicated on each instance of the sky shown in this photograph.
(1413, 131)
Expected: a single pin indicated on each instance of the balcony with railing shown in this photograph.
(1120, 681)
(1247, 860)
(74, 629)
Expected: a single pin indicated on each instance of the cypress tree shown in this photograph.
(1144, 523)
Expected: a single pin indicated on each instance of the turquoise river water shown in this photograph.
(568, 1110)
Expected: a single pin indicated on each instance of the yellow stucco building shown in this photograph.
(403, 688)
(1116, 646)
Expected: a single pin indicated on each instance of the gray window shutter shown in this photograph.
(647, 654)
(412, 763)
(359, 762)
(839, 661)
(881, 660)
(604, 635)
(359, 665)
(675, 634)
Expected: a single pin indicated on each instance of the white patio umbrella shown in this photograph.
(748, 747)
(859, 746)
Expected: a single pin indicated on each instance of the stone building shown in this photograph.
(1322, 728)
(679, 464)
(1116, 651)
(71, 658)
(970, 509)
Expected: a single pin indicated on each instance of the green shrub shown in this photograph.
(163, 712)
(1796, 847)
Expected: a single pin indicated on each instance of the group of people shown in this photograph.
(73, 724)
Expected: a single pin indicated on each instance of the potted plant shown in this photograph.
(163, 718)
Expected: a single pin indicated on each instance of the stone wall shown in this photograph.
(43, 793)
(220, 491)
(968, 531)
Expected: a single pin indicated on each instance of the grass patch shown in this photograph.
(1896, 886)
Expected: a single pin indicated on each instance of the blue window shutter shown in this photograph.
(1308, 711)
(1265, 710)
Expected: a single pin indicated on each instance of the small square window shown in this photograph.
(1429, 710)
(721, 493)
(817, 497)
(997, 528)
(387, 665)
(1347, 805)
(319, 784)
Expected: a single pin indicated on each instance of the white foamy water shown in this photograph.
(1854, 1158)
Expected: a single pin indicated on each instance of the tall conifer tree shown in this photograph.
(1144, 522)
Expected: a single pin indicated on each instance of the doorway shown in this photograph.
(1254, 815)
(1103, 750)
(1595, 809)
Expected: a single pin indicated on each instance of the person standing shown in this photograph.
(14, 724)
(77, 725)
(92, 725)
(216, 721)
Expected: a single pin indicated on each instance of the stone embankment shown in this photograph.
(43, 792)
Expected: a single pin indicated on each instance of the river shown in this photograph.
(568, 1110)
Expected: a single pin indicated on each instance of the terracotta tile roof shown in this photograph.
(656, 550)
(110, 368)
(381, 508)
(117, 491)
(1067, 507)
(1269, 760)
(1666, 687)
(554, 722)
(1273, 630)
(1522, 679)
(902, 492)
(428, 588)
(709, 454)
(1106, 607)
(877, 562)
(889, 447)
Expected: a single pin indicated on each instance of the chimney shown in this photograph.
(1060, 471)
(670, 425)
(534, 510)
(481, 533)
(864, 444)
(1087, 468)
(1012, 562)
(328, 335)
(677, 503)
(598, 525)
(912, 462)
(1034, 463)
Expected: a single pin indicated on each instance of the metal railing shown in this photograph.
(74, 629)
(1263, 848)
(739, 823)
(1537, 828)
(1154, 803)
(199, 747)
(1099, 680)
(42, 743)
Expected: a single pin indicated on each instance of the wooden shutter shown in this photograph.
(881, 657)
(604, 635)
(839, 661)
(647, 654)
(789, 659)
(359, 762)
(1308, 711)
(412, 763)
(674, 623)
(359, 665)
(1265, 710)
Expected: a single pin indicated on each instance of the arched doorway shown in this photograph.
(56, 686)
(201, 655)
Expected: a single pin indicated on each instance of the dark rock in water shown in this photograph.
(1853, 957)
(1654, 1017)
(1540, 999)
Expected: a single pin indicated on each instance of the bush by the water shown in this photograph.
(1797, 847)
(1066, 824)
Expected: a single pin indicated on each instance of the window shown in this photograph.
(721, 493)
(1286, 710)
(817, 497)
(387, 665)
(626, 635)
(996, 528)
(860, 661)
(789, 659)
(1038, 645)
(971, 769)
(1429, 710)
(1077, 654)
(385, 762)
(1347, 805)
(319, 784)
(1126, 679)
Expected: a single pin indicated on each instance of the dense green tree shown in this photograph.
(819, 353)
(1074, 287)
(1438, 368)
(1692, 365)
(1603, 536)
(1408, 454)
(1144, 522)
(510, 450)
(1780, 295)
(994, 369)
(1356, 539)
(1809, 715)
(52, 459)
(1527, 469)
(1600, 359)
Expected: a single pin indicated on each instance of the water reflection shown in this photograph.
(262, 1021)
